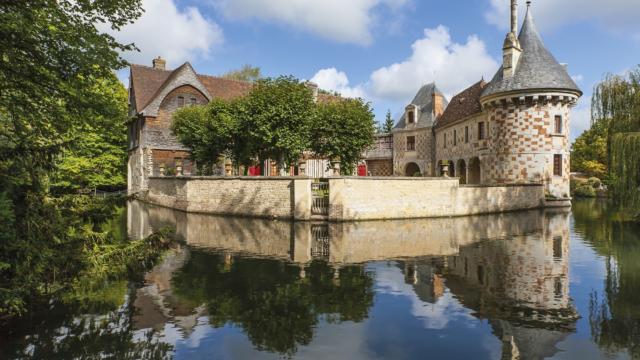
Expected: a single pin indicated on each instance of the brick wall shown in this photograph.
(383, 167)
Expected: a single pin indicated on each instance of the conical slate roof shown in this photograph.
(536, 69)
(424, 101)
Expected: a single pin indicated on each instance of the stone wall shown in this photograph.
(398, 198)
(357, 198)
(265, 197)
(523, 143)
(421, 156)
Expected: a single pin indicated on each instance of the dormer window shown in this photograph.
(180, 101)
(411, 117)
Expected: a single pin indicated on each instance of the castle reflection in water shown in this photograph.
(510, 269)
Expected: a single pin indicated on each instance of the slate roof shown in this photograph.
(465, 104)
(147, 81)
(536, 69)
(424, 101)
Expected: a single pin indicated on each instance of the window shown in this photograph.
(455, 137)
(411, 116)
(558, 123)
(180, 101)
(194, 101)
(445, 141)
(466, 134)
(557, 287)
(557, 247)
(411, 143)
(481, 130)
(557, 165)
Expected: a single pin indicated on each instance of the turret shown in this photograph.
(528, 105)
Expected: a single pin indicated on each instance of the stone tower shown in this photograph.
(528, 107)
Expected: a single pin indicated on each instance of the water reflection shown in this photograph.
(277, 280)
(483, 287)
(614, 312)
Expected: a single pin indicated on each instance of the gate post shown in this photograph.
(302, 199)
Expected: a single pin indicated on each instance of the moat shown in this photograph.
(554, 283)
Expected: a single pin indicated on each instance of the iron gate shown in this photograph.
(320, 198)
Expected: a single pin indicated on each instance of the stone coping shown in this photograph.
(500, 185)
(387, 178)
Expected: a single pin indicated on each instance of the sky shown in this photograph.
(384, 50)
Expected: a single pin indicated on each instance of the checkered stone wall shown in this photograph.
(522, 144)
(421, 156)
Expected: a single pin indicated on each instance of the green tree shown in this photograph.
(52, 60)
(589, 151)
(616, 100)
(245, 73)
(97, 151)
(342, 130)
(387, 127)
(280, 112)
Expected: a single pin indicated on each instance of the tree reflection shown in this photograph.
(67, 331)
(614, 315)
(277, 304)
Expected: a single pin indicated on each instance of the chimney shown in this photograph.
(511, 50)
(438, 104)
(159, 63)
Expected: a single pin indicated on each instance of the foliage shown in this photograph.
(280, 112)
(342, 129)
(276, 307)
(617, 101)
(585, 190)
(53, 57)
(595, 182)
(387, 127)
(97, 152)
(589, 151)
(77, 248)
(245, 73)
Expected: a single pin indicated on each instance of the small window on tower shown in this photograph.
(444, 141)
(466, 134)
(455, 137)
(180, 101)
(557, 165)
(411, 116)
(559, 125)
(411, 143)
(481, 130)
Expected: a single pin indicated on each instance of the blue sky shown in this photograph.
(383, 50)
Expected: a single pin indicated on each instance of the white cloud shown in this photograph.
(339, 20)
(435, 58)
(549, 14)
(334, 80)
(175, 34)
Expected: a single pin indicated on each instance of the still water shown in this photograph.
(530, 285)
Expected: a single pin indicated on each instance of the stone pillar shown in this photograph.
(302, 199)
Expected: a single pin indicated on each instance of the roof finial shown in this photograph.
(528, 3)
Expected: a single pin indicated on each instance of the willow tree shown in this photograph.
(617, 100)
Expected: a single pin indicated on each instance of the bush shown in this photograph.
(586, 191)
(595, 183)
(417, 174)
(575, 183)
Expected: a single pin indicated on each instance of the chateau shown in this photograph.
(497, 146)
(513, 129)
